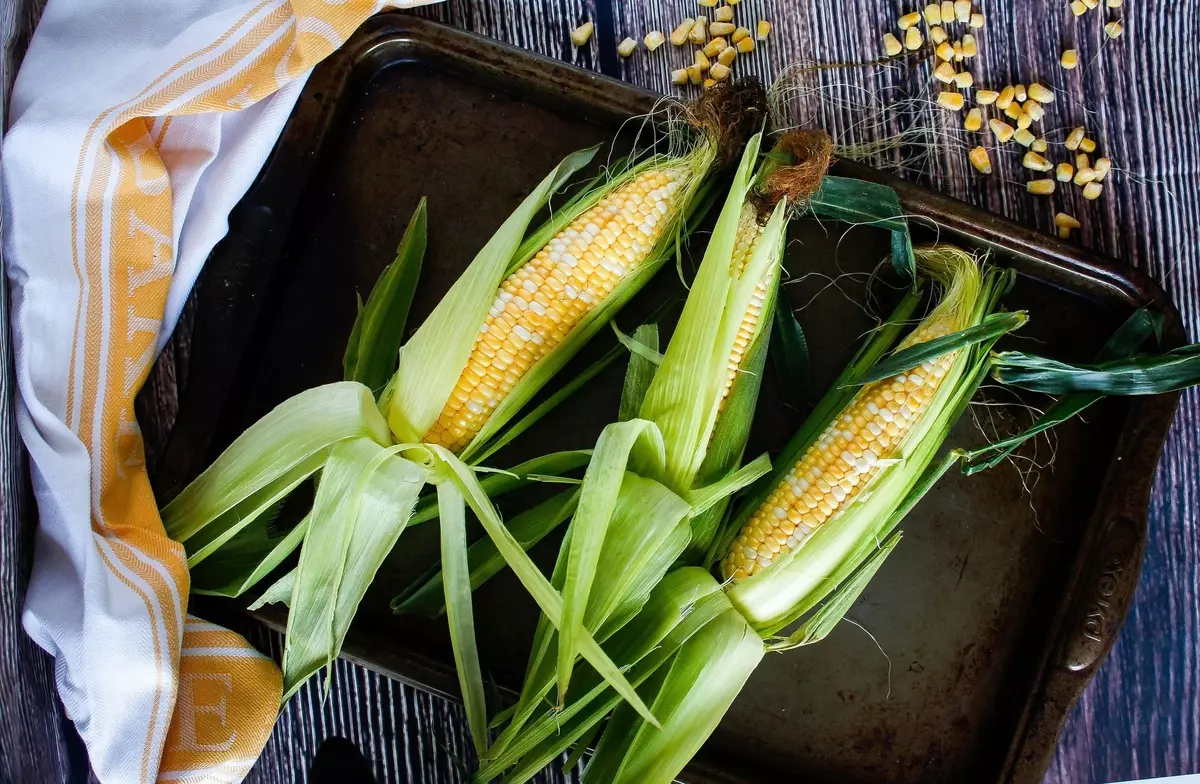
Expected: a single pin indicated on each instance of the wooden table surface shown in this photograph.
(1138, 97)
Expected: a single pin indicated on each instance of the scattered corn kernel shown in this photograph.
(1023, 137)
(974, 120)
(1074, 138)
(1064, 172)
(1023, 122)
(1063, 220)
(947, 11)
(909, 20)
(986, 97)
(1078, 8)
(1102, 167)
(679, 76)
(1039, 145)
(976, 20)
(709, 83)
(1082, 162)
(740, 34)
(733, 2)
(958, 52)
(699, 33)
(1087, 145)
(1036, 162)
(892, 45)
(913, 39)
(969, 47)
(722, 28)
(1084, 176)
(1013, 111)
(1019, 93)
(944, 73)
(763, 30)
(952, 101)
(1114, 3)
(702, 60)
(1002, 130)
(581, 34)
(1041, 93)
(679, 36)
(723, 14)
(718, 45)
(626, 47)
(745, 45)
(963, 80)
(1033, 109)
(695, 74)
(1005, 98)
(945, 51)
(709, 3)
(1091, 4)
(1043, 187)
(939, 36)
(980, 160)
(1069, 59)
(719, 71)
(727, 56)
(653, 40)
(1092, 191)
(933, 14)
(962, 10)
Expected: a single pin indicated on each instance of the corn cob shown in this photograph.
(749, 231)
(543, 300)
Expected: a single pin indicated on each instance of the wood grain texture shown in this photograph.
(1141, 716)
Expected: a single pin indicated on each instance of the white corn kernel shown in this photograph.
(1023, 137)
(1092, 191)
(653, 40)
(976, 20)
(1042, 187)
(944, 73)
(1039, 145)
(933, 14)
(745, 45)
(938, 35)
(1069, 59)
(1074, 138)
(980, 160)
(1019, 93)
(679, 76)
(969, 47)
(1064, 172)
(626, 47)
(679, 36)
(699, 32)
(1102, 167)
(951, 101)
(581, 34)
(1005, 99)
(892, 45)
(974, 120)
(913, 39)
(963, 80)
(721, 28)
(947, 11)
(1087, 145)
(945, 51)
(723, 14)
(909, 20)
(727, 56)
(1036, 162)
(763, 30)
(986, 97)
(1078, 8)
(740, 34)
(719, 71)
(1002, 130)
(962, 10)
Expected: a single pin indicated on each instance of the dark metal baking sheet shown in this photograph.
(1000, 602)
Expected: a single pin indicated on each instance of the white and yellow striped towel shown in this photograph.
(136, 126)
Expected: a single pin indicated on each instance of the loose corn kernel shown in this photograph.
(1020, 94)
(740, 34)
(733, 2)
(727, 56)
(718, 45)
(933, 14)
(709, 3)
(723, 14)
(1006, 96)
(945, 51)
(1036, 162)
(1087, 145)
(939, 36)
(913, 39)
(1092, 191)
(1074, 138)
(1041, 93)
(626, 47)
(581, 34)
(976, 20)
(1033, 109)
(980, 160)
(1023, 137)
(892, 45)
(951, 101)
(909, 20)
(1069, 59)
(958, 52)
(1084, 175)
(1042, 187)
(699, 32)
(653, 40)
(1102, 167)
(1039, 145)
(974, 120)
(745, 45)
(1001, 130)
(986, 97)
(709, 83)
(969, 47)
(719, 71)
(1082, 162)
(1063, 220)
(702, 60)
(944, 73)
(1092, 4)
(1114, 3)
(722, 28)
(947, 11)
(1023, 123)
(962, 10)
(963, 80)
(1013, 111)
(1078, 8)
(695, 74)
(763, 30)
(679, 76)
(1064, 172)
(679, 36)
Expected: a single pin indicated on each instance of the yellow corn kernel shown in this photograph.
(1041, 93)
(1078, 8)
(1092, 4)
(958, 52)
(1092, 191)
(1082, 162)
(980, 160)
(1064, 172)
(933, 14)
(1064, 221)
(913, 39)
(1040, 187)
(626, 47)
(962, 10)
(1006, 97)
(938, 35)
(1023, 137)
(1102, 167)
(1001, 130)
(1023, 123)
(1020, 95)
(969, 47)
(699, 32)
(654, 39)
(976, 20)
(709, 3)
(721, 28)
(1084, 175)
(716, 46)
(539, 303)
(1074, 138)
(986, 97)
(1069, 59)
(745, 45)
(709, 83)
(719, 72)
(723, 14)
(1087, 145)
(581, 34)
(963, 80)
(679, 76)
(727, 56)
(1013, 111)
(763, 30)
(740, 34)
(1039, 145)
(748, 233)
(945, 51)
(702, 60)
(909, 20)
(947, 11)
(679, 35)
(952, 101)
(1033, 109)
(944, 73)
(1036, 162)
(892, 45)
(695, 74)
(1114, 29)
(1115, 3)
(974, 120)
